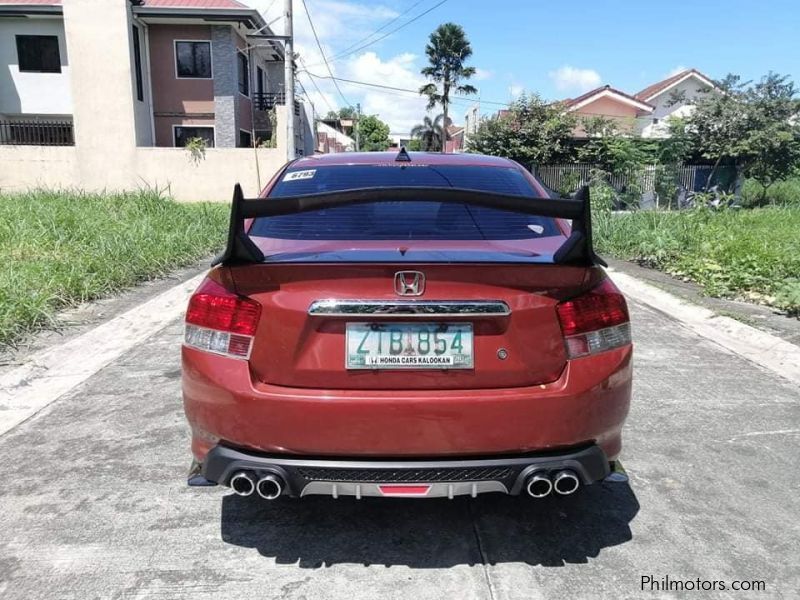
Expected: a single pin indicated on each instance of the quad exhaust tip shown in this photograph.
(242, 484)
(539, 485)
(566, 482)
(269, 487)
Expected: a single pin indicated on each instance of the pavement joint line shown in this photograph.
(484, 557)
(764, 349)
(47, 375)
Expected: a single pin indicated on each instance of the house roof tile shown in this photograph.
(660, 86)
(570, 102)
(26, 2)
(150, 3)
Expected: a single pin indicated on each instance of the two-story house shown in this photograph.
(647, 112)
(672, 98)
(196, 73)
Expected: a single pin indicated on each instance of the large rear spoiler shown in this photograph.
(576, 250)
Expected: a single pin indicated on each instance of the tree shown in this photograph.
(754, 126)
(447, 50)
(348, 112)
(531, 132)
(713, 128)
(430, 134)
(770, 150)
(374, 134)
(612, 150)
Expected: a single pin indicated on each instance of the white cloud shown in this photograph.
(341, 24)
(572, 79)
(515, 90)
(483, 74)
(401, 110)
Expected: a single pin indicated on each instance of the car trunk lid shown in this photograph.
(520, 346)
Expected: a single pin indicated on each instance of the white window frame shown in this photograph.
(210, 54)
(176, 125)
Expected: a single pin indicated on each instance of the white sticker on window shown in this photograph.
(297, 175)
(536, 228)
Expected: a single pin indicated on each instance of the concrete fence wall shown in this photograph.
(170, 169)
(108, 164)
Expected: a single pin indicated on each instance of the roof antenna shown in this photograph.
(402, 156)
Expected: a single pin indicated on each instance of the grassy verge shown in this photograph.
(748, 254)
(58, 249)
(782, 193)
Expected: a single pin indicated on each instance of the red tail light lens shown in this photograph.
(220, 321)
(595, 321)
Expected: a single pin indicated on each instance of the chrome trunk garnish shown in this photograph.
(332, 307)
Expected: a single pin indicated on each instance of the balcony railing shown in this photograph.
(36, 132)
(267, 100)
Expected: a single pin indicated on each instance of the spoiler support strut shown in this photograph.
(577, 250)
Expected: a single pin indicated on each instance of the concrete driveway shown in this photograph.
(94, 505)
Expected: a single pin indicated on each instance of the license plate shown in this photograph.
(409, 346)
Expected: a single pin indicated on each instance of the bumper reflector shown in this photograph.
(404, 490)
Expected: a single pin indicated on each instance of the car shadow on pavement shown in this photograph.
(320, 531)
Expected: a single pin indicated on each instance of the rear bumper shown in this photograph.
(439, 478)
(586, 405)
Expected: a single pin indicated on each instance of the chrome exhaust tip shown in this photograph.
(269, 487)
(538, 485)
(566, 483)
(242, 484)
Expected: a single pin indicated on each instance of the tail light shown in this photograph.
(220, 321)
(595, 321)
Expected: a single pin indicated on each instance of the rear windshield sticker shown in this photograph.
(298, 175)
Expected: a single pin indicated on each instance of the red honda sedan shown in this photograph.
(415, 325)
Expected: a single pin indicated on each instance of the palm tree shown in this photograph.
(447, 50)
(430, 133)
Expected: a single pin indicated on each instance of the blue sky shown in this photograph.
(558, 49)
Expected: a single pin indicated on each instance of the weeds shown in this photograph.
(748, 254)
(58, 249)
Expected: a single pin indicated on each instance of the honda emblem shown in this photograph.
(409, 283)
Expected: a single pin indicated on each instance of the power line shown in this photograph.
(460, 100)
(384, 36)
(381, 28)
(393, 88)
(464, 100)
(314, 83)
(322, 53)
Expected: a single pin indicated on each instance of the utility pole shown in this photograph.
(358, 128)
(288, 75)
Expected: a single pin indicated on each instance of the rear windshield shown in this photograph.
(404, 220)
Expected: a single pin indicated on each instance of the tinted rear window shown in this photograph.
(404, 220)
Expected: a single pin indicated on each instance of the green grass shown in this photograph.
(782, 193)
(58, 249)
(748, 254)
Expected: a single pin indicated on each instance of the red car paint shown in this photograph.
(293, 396)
